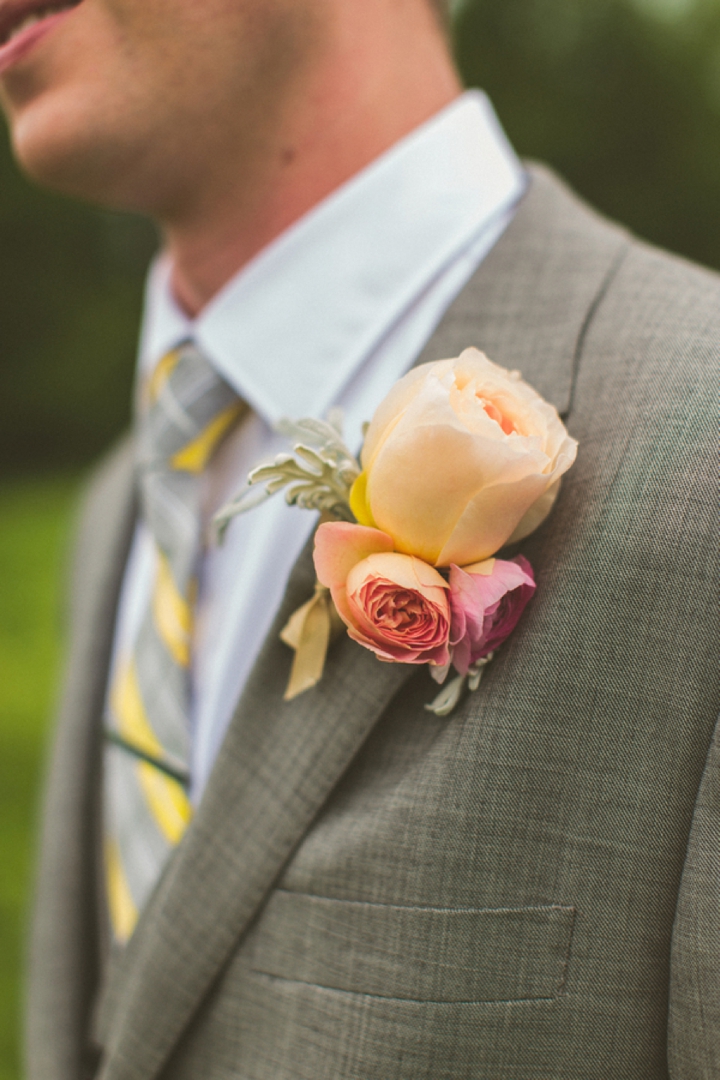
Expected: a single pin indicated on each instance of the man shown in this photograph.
(344, 885)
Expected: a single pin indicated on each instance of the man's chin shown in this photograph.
(66, 156)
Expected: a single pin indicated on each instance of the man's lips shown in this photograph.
(24, 22)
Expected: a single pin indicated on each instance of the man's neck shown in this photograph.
(360, 101)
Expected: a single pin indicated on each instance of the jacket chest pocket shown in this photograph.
(414, 953)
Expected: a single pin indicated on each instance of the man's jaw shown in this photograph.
(24, 22)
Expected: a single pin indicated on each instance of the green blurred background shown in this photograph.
(621, 96)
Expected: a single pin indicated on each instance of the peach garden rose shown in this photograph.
(461, 458)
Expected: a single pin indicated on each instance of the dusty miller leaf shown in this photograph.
(317, 476)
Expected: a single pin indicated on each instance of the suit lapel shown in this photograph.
(278, 764)
(526, 307)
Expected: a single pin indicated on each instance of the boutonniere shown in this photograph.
(461, 458)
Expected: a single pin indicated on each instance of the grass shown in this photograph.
(35, 520)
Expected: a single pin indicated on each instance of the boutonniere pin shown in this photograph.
(461, 458)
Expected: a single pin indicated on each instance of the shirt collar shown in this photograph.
(291, 329)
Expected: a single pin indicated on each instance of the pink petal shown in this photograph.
(405, 571)
(506, 575)
(486, 607)
(339, 546)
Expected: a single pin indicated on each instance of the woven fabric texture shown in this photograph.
(524, 891)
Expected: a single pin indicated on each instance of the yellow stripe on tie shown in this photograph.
(128, 706)
(168, 802)
(160, 375)
(172, 613)
(194, 457)
(123, 912)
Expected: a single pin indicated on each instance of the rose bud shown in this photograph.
(487, 600)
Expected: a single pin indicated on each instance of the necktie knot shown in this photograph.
(188, 409)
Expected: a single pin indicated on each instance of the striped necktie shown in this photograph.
(187, 411)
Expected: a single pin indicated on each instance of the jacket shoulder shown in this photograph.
(647, 287)
(668, 295)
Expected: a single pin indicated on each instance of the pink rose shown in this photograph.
(394, 604)
(487, 600)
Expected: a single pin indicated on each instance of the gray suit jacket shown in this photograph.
(528, 889)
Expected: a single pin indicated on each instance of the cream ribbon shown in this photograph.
(309, 632)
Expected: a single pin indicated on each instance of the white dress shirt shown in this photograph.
(331, 313)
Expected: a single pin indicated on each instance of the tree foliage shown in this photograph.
(622, 98)
(70, 297)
